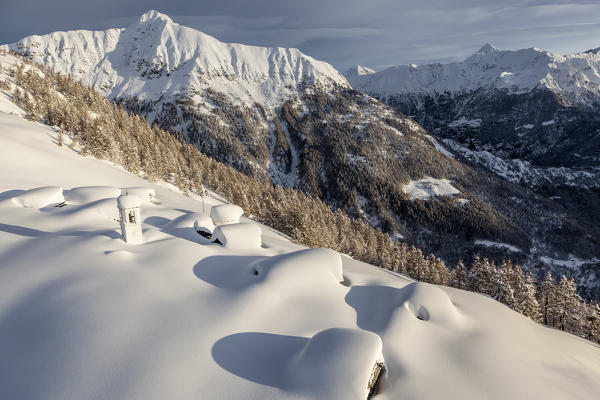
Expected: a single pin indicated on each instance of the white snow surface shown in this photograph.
(428, 187)
(157, 58)
(226, 214)
(128, 201)
(245, 235)
(571, 262)
(489, 243)
(85, 316)
(576, 76)
(358, 70)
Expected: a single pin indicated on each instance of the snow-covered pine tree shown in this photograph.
(459, 277)
(441, 275)
(504, 291)
(591, 322)
(482, 276)
(527, 299)
(517, 282)
(548, 300)
(569, 302)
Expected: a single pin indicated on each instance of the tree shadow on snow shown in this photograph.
(259, 357)
(228, 272)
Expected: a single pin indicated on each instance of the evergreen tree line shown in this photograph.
(106, 131)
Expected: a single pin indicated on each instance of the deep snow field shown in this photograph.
(84, 315)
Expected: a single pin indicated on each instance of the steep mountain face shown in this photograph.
(282, 116)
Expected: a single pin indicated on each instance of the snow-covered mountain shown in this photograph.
(574, 77)
(84, 315)
(530, 116)
(359, 70)
(156, 57)
(278, 115)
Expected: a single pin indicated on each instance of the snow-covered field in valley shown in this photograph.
(84, 315)
(429, 187)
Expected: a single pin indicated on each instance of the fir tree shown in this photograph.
(459, 277)
(527, 298)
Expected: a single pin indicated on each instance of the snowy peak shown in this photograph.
(488, 49)
(158, 58)
(358, 70)
(152, 15)
(575, 77)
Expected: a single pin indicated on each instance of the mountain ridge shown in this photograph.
(176, 60)
(517, 72)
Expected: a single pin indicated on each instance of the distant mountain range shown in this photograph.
(528, 104)
(279, 115)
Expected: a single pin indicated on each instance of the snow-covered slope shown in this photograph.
(157, 57)
(576, 76)
(85, 315)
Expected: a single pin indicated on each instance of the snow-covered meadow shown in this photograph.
(85, 315)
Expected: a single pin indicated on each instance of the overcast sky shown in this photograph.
(375, 33)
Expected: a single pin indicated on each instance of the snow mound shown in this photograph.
(383, 309)
(144, 194)
(305, 267)
(226, 214)
(39, 197)
(337, 363)
(429, 303)
(103, 208)
(204, 224)
(183, 227)
(246, 235)
(428, 187)
(128, 201)
(301, 272)
(88, 194)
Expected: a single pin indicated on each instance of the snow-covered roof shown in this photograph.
(144, 193)
(88, 194)
(239, 236)
(204, 223)
(39, 197)
(226, 213)
(128, 201)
